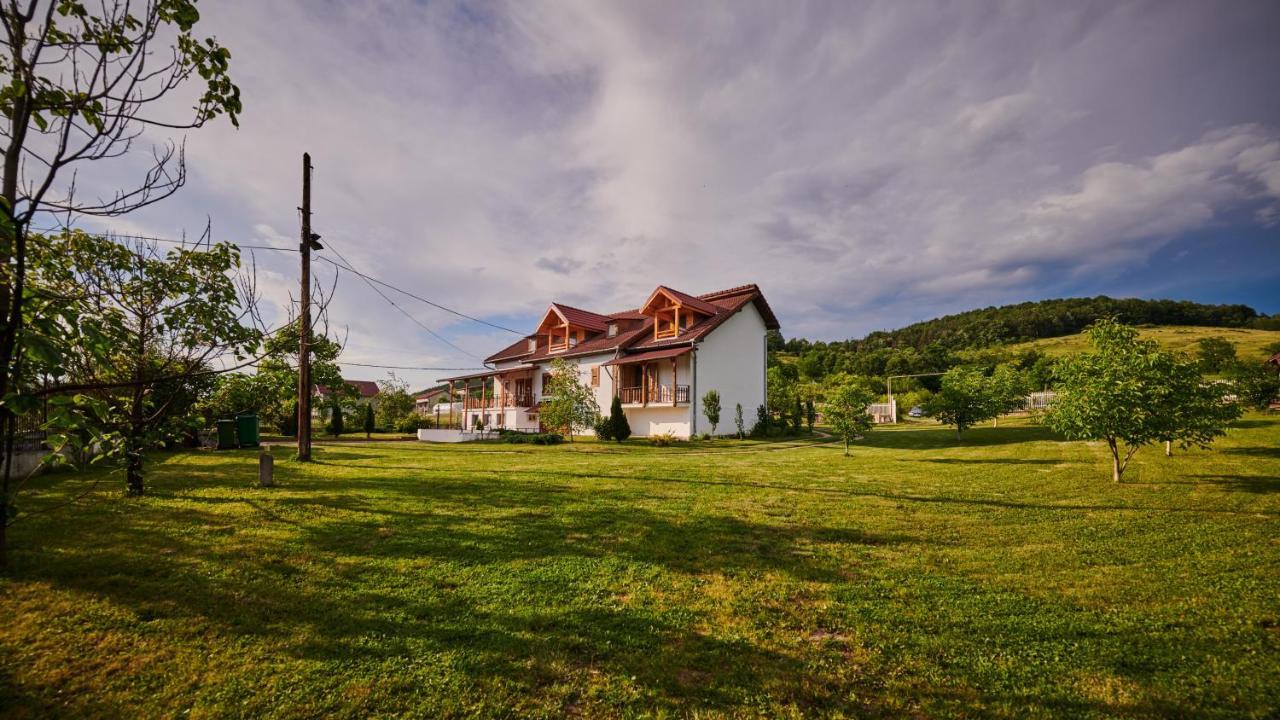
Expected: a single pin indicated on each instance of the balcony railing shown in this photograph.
(657, 395)
(514, 400)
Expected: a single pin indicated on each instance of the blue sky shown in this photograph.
(868, 164)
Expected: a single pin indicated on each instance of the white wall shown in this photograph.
(659, 419)
(731, 360)
(603, 393)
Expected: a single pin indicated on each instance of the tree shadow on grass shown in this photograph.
(991, 461)
(945, 438)
(1247, 483)
(323, 595)
(1254, 451)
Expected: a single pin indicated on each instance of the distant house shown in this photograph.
(366, 392)
(425, 401)
(657, 359)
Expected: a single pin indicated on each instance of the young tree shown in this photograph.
(148, 329)
(78, 83)
(570, 406)
(1256, 384)
(761, 428)
(1130, 393)
(711, 408)
(738, 421)
(619, 427)
(336, 427)
(797, 416)
(964, 399)
(368, 421)
(278, 369)
(394, 401)
(810, 414)
(845, 410)
(1215, 353)
(1006, 389)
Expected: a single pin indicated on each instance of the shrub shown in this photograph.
(335, 426)
(666, 439)
(706, 436)
(761, 428)
(519, 438)
(604, 428)
(621, 429)
(738, 421)
(413, 423)
(368, 424)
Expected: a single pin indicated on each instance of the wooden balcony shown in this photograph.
(657, 395)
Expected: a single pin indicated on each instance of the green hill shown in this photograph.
(1250, 343)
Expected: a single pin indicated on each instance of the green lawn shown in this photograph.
(1006, 577)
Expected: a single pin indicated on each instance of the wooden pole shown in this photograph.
(304, 317)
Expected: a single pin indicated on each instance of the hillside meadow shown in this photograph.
(1250, 344)
(1004, 576)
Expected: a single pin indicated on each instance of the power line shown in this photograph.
(393, 304)
(406, 367)
(342, 266)
(419, 298)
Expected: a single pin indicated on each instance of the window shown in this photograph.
(613, 329)
(533, 344)
(595, 376)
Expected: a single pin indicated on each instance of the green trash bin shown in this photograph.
(227, 435)
(247, 430)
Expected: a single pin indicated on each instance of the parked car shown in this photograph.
(916, 412)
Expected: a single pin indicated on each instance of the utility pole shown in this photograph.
(309, 243)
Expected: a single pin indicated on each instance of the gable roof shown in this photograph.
(684, 299)
(582, 318)
(365, 388)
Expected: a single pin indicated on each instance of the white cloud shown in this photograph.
(867, 164)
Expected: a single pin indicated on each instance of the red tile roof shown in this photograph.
(365, 388)
(583, 318)
(651, 355)
(685, 299)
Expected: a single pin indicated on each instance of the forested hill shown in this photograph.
(1045, 319)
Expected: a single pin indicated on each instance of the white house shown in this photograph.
(659, 359)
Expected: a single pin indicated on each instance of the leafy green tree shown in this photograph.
(368, 421)
(763, 422)
(965, 399)
(619, 427)
(1215, 353)
(569, 405)
(278, 370)
(738, 421)
(845, 410)
(1006, 389)
(810, 414)
(394, 401)
(797, 416)
(149, 326)
(780, 389)
(711, 408)
(1130, 393)
(113, 76)
(336, 424)
(1256, 384)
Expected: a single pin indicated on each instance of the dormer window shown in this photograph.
(533, 344)
(673, 312)
(613, 329)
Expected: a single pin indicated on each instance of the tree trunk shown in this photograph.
(133, 470)
(1168, 448)
(1116, 470)
(846, 446)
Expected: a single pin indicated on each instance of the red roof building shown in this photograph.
(657, 359)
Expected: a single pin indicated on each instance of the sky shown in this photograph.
(868, 164)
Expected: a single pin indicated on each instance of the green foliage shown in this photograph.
(411, 423)
(1215, 353)
(135, 330)
(711, 408)
(763, 423)
(278, 373)
(967, 397)
(369, 424)
(336, 423)
(797, 416)
(619, 426)
(845, 409)
(738, 421)
(394, 401)
(604, 428)
(521, 438)
(1256, 384)
(1130, 393)
(568, 404)
(810, 414)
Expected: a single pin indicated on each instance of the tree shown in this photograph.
(368, 420)
(845, 410)
(965, 399)
(79, 80)
(780, 389)
(1006, 390)
(394, 401)
(1130, 393)
(1215, 353)
(810, 414)
(335, 416)
(570, 406)
(738, 421)
(797, 416)
(711, 408)
(149, 326)
(1256, 384)
(279, 367)
(619, 428)
(761, 428)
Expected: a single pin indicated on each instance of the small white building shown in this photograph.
(659, 360)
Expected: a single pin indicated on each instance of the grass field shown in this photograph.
(1249, 343)
(1003, 577)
